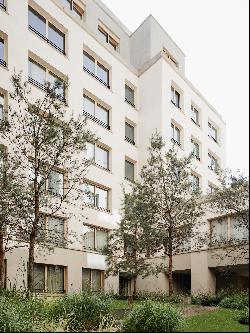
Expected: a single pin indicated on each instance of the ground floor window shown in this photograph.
(49, 279)
(125, 286)
(92, 279)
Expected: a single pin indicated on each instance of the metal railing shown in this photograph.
(3, 63)
(96, 77)
(130, 140)
(96, 120)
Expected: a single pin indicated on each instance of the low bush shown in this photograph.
(243, 316)
(81, 311)
(153, 317)
(205, 299)
(238, 301)
(159, 296)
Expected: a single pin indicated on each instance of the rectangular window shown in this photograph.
(37, 23)
(195, 149)
(213, 133)
(94, 239)
(219, 231)
(129, 95)
(212, 163)
(1, 161)
(96, 69)
(239, 229)
(97, 154)
(95, 112)
(106, 38)
(46, 30)
(67, 3)
(176, 135)
(1, 107)
(56, 183)
(78, 11)
(58, 85)
(175, 97)
(49, 279)
(2, 53)
(37, 74)
(129, 133)
(211, 189)
(195, 117)
(96, 196)
(195, 183)
(56, 231)
(129, 171)
(92, 280)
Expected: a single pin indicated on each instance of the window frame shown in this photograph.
(60, 244)
(131, 103)
(212, 128)
(93, 117)
(106, 149)
(194, 151)
(175, 127)
(90, 270)
(174, 93)
(95, 229)
(48, 22)
(127, 161)
(213, 163)
(196, 183)
(3, 108)
(3, 40)
(194, 110)
(111, 40)
(3, 6)
(46, 290)
(97, 64)
(130, 140)
(94, 196)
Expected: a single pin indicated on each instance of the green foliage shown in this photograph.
(82, 311)
(159, 296)
(243, 316)
(205, 299)
(153, 317)
(236, 301)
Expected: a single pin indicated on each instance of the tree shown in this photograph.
(46, 142)
(232, 198)
(163, 209)
(128, 249)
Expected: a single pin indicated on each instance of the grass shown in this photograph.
(223, 320)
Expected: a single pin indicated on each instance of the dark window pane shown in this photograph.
(56, 230)
(37, 22)
(56, 37)
(88, 62)
(1, 49)
(96, 280)
(1, 106)
(102, 114)
(129, 132)
(39, 278)
(55, 279)
(103, 74)
(86, 279)
(103, 35)
(57, 84)
(129, 95)
(129, 170)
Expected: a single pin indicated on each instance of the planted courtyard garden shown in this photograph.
(149, 312)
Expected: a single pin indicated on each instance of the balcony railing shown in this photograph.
(43, 87)
(46, 39)
(3, 63)
(176, 142)
(96, 120)
(175, 104)
(96, 77)
(131, 141)
(129, 102)
(195, 122)
(2, 6)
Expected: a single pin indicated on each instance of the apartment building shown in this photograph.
(127, 85)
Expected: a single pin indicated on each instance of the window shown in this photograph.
(92, 280)
(195, 183)
(212, 163)
(176, 135)
(96, 69)
(49, 279)
(130, 133)
(56, 183)
(77, 10)
(95, 112)
(39, 75)
(1, 107)
(239, 229)
(98, 154)
(195, 149)
(2, 4)
(195, 116)
(211, 188)
(96, 196)
(129, 171)
(56, 230)
(129, 95)
(213, 132)
(219, 231)
(175, 97)
(46, 30)
(2, 52)
(94, 239)
(1, 161)
(106, 38)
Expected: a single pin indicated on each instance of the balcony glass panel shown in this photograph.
(37, 22)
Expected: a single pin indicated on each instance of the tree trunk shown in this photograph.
(170, 275)
(2, 255)
(135, 286)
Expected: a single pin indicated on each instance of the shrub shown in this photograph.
(236, 301)
(159, 296)
(82, 311)
(153, 317)
(205, 299)
(19, 311)
(243, 316)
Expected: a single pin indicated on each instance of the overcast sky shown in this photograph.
(214, 36)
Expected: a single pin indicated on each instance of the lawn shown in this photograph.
(221, 320)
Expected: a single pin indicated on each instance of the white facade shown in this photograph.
(150, 63)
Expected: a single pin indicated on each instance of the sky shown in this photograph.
(214, 35)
